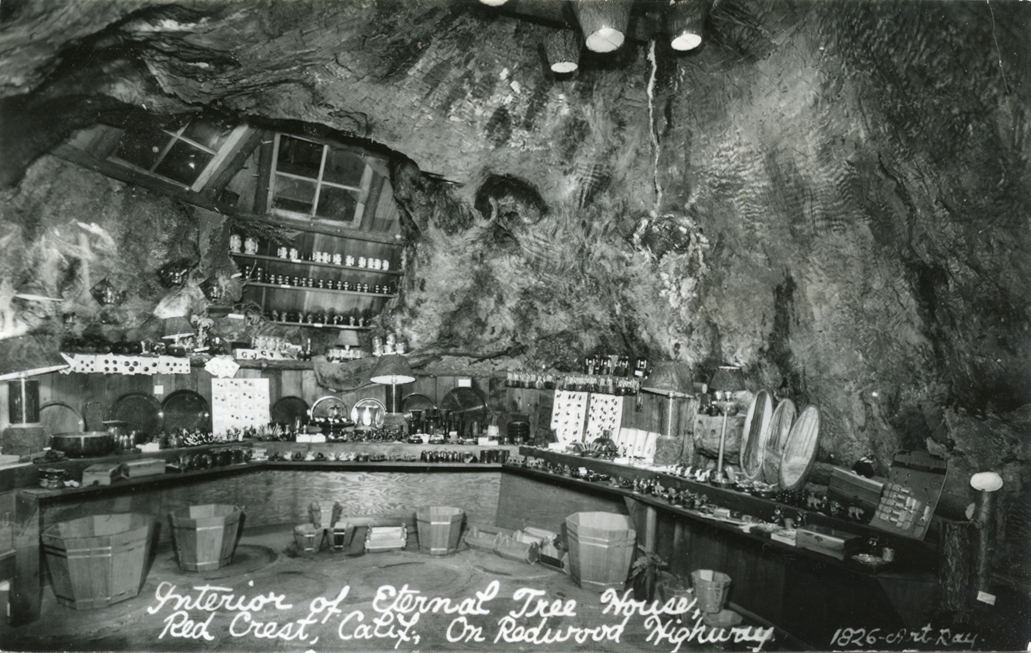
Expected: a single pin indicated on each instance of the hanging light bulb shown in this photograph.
(685, 20)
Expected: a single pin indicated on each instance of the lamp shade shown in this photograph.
(27, 356)
(347, 338)
(728, 378)
(603, 22)
(392, 370)
(685, 20)
(670, 378)
(563, 50)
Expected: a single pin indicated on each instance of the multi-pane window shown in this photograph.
(314, 180)
(180, 148)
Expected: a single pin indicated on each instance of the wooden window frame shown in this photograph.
(362, 191)
(218, 157)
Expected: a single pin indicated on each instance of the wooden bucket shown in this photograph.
(439, 528)
(100, 560)
(601, 547)
(205, 536)
(711, 588)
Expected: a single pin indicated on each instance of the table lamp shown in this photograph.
(670, 378)
(392, 370)
(21, 358)
(178, 331)
(727, 380)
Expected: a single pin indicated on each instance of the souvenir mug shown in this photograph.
(235, 243)
(282, 252)
(250, 245)
(293, 254)
(349, 261)
(338, 259)
(386, 264)
(362, 262)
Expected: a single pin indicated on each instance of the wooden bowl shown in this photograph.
(84, 445)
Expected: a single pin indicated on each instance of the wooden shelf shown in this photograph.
(347, 327)
(306, 289)
(330, 266)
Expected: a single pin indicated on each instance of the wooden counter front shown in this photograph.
(271, 492)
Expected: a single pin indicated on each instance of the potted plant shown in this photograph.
(644, 574)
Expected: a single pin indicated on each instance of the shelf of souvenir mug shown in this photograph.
(378, 291)
(598, 383)
(362, 264)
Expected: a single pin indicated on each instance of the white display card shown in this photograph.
(239, 403)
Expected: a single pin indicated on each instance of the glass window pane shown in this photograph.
(141, 146)
(299, 157)
(337, 204)
(343, 167)
(209, 131)
(183, 163)
(294, 195)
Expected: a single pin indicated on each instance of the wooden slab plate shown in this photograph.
(800, 449)
(753, 444)
(780, 427)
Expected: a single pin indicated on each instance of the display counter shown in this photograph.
(273, 491)
(803, 592)
(806, 593)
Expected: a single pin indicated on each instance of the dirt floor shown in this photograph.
(273, 598)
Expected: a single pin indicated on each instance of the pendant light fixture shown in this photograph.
(563, 50)
(685, 20)
(603, 22)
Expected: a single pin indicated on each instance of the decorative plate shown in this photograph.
(59, 419)
(368, 413)
(186, 409)
(416, 402)
(467, 402)
(140, 411)
(324, 407)
(288, 409)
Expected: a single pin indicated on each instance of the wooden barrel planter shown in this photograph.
(100, 560)
(601, 547)
(439, 528)
(205, 536)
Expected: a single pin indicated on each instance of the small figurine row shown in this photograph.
(259, 276)
(318, 319)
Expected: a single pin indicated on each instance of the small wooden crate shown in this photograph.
(144, 467)
(386, 538)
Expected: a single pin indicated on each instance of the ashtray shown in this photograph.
(868, 560)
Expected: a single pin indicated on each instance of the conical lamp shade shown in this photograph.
(392, 370)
